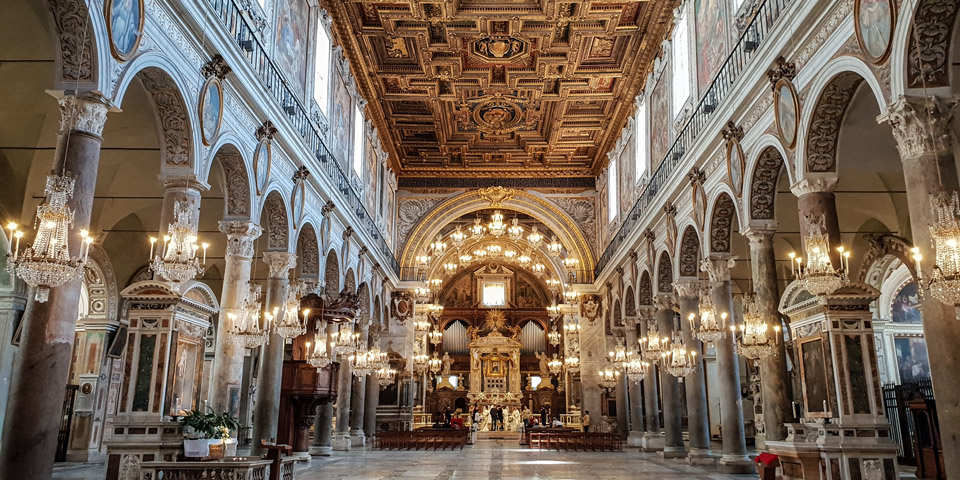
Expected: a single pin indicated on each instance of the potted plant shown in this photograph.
(203, 430)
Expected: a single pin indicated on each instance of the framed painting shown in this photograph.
(736, 164)
(905, 307)
(912, 362)
(262, 161)
(297, 199)
(712, 40)
(290, 42)
(660, 130)
(813, 371)
(786, 109)
(210, 109)
(124, 21)
(874, 21)
(699, 205)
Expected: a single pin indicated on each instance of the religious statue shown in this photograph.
(447, 362)
(544, 364)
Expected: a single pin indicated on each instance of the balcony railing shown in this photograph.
(244, 35)
(758, 28)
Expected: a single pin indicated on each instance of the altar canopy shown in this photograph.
(495, 362)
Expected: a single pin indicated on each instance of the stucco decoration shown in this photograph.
(689, 254)
(664, 274)
(827, 117)
(411, 211)
(928, 62)
(237, 191)
(275, 222)
(721, 224)
(584, 213)
(763, 184)
(308, 252)
(172, 116)
(70, 19)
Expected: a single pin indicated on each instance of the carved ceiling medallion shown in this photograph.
(498, 115)
(497, 49)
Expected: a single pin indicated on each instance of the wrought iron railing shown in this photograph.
(759, 27)
(239, 28)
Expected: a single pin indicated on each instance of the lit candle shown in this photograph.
(792, 257)
(86, 255)
(16, 252)
(916, 262)
(13, 229)
(166, 241)
(205, 247)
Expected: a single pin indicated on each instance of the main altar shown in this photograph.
(495, 362)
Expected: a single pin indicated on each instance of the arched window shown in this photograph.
(681, 63)
(358, 142)
(532, 339)
(641, 155)
(455, 338)
(321, 68)
(612, 181)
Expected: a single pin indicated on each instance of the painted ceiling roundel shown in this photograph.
(469, 88)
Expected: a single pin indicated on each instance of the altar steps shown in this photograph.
(498, 436)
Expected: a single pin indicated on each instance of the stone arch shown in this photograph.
(833, 90)
(174, 121)
(763, 184)
(377, 318)
(331, 274)
(630, 302)
(350, 281)
(100, 282)
(664, 273)
(308, 253)
(275, 222)
(617, 314)
(721, 223)
(930, 47)
(78, 53)
(688, 255)
(645, 291)
(236, 181)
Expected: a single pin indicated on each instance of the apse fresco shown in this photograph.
(906, 305)
(659, 120)
(712, 43)
(290, 42)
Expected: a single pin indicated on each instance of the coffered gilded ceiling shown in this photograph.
(498, 87)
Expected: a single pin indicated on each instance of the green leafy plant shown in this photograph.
(210, 425)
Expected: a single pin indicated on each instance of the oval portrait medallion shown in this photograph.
(124, 20)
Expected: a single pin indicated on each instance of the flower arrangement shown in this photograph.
(209, 425)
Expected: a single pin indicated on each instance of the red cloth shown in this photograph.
(765, 458)
(457, 422)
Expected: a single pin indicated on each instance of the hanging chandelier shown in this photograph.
(571, 264)
(755, 338)
(177, 260)
(538, 268)
(619, 356)
(438, 246)
(710, 329)
(361, 363)
(435, 335)
(494, 250)
(345, 341)
(496, 227)
(421, 362)
(378, 358)
(423, 260)
(554, 336)
(457, 237)
(245, 330)
(653, 346)
(535, 237)
(679, 361)
(554, 285)
(435, 363)
(609, 377)
(421, 324)
(572, 364)
(422, 293)
(637, 369)
(819, 277)
(944, 283)
(555, 365)
(386, 376)
(554, 247)
(465, 259)
(291, 326)
(477, 230)
(451, 267)
(510, 254)
(46, 263)
(524, 259)
(319, 357)
(515, 231)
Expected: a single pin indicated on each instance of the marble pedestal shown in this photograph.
(832, 452)
(672, 452)
(635, 439)
(652, 442)
(701, 457)
(321, 450)
(341, 442)
(736, 464)
(357, 438)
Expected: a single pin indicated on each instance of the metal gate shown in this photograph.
(66, 418)
(895, 398)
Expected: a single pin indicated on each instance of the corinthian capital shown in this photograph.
(718, 268)
(665, 301)
(921, 125)
(687, 287)
(241, 235)
(84, 113)
(279, 263)
(814, 185)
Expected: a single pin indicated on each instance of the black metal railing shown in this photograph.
(758, 28)
(238, 26)
(895, 398)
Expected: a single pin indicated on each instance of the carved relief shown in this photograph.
(172, 113)
(82, 114)
(689, 253)
(763, 185)
(928, 60)
(664, 274)
(921, 125)
(646, 289)
(410, 211)
(721, 224)
(241, 236)
(308, 251)
(279, 263)
(825, 126)
(276, 223)
(235, 182)
(583, 212)
(70, 18)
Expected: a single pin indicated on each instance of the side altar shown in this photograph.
(495, 362)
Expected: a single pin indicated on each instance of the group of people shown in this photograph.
(496, 418)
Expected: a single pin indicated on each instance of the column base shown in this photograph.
(301, 456)
(635, 439)
(702, 457)
(357, 438)
(341, 442)
(652, 442)
(736, 464)
(672, 452)
(321, 450)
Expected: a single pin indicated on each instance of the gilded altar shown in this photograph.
(495, 362)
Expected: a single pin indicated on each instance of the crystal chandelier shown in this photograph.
(379, 358)
(421, 324)
(819, 277)
(423, 260)
(177, 261)
(524, 258)
(245, 330)
(538, 268)
(420, 362)
(555, 365)
(572, 364)
(944, 283)
(494, 250)
(465, 258)
(710, 328)
(422, 293)
(47, 263)
(435, 363)
(345, 341)
(554, 285)
(637, 369)
(318, 357)
(361, 362)
(438, 246)
(554, 336)
(653, 346)
(571, 264)
(609, 377)
(619, 356)
(386, 376)
(515, 231)
(291, 326)
(435, 335)
(535, 237)
(510, 254)
(755, 338)
(477, 230)
(555, 247)
(457, 237)
(451, 267)
(496, 227)
(679, 361)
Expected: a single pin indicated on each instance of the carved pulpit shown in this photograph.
(162, 346)
(843, 432)
(495, 362)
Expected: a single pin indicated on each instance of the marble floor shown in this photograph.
(488, 459)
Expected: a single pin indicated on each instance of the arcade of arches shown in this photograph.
(662, 239)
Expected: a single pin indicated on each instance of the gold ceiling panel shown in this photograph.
(498, 87)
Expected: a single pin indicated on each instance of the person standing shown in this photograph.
(544, 417)
(586, 421)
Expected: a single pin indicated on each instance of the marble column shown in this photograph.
(372, 394)
(653, 439)
(672, 397)
(40, 373)
(357, 400)
(341, 435)
(734, 459)
(623, 414)
(634, 396)
(271, 361)
(924, 133)
(815, 198)
(228, 361)
(323, 422)
(774, 379)
(698, 416)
